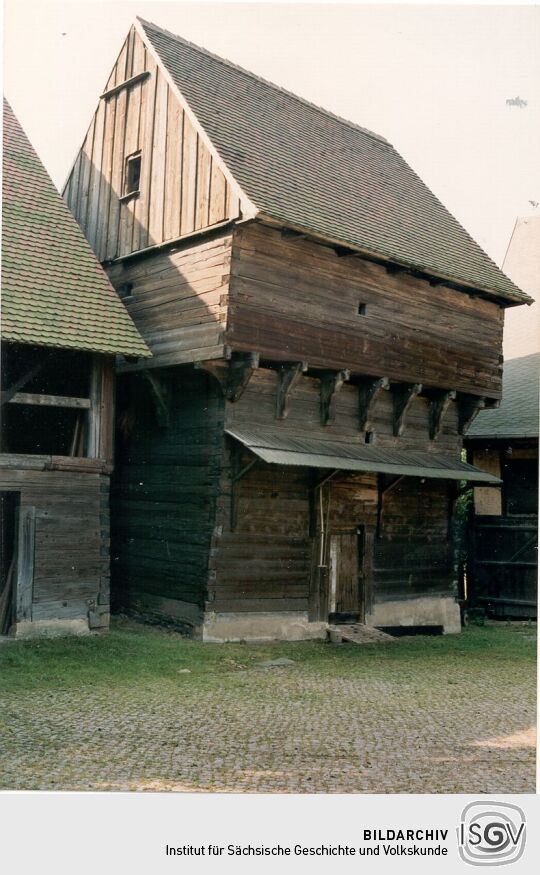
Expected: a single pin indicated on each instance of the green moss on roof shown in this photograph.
(306, 167)
(54, 291)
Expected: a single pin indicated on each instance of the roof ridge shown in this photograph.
(257, 78)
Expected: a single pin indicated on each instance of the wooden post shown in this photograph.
(331, 383)
(368, 392)
(404, 396)
(94, 414)
(289, 375)
(25, 547)
(101, 413)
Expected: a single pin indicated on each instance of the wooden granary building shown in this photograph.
(62, 327)
(322, 333)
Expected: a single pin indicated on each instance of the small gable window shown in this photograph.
(132, 176)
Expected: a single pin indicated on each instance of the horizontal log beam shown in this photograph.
(32, 398)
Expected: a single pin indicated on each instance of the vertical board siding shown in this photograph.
(182, 188)
(71, 551)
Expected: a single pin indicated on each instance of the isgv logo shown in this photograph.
(491, 833)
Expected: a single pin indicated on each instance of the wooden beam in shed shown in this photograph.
(437, 410)
(404, 396)
(368, 392)
(8, 394)
(331, 383)
(32, 398)
(288, 377)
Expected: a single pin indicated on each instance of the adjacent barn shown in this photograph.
(62, 327)
(503, 570)
(323, 331)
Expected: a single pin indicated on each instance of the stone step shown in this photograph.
(357, 633)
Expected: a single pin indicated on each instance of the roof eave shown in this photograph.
(462, 285)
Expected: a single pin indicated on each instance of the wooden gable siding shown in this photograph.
(178, 299)
(296, 299)
(257, 408)
(71, 558)
(164, 491)
(182, 187)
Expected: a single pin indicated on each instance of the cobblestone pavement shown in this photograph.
(365, 726)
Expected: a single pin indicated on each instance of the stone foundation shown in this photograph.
(426, 611)
(50, 628)
(264, 626)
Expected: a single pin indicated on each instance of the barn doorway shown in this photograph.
(9, 503)
(346, 576)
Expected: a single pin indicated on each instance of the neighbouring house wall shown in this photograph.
(487, 500)
(178, 299)
(295, 299)
(67, 516)
(182, 189)
(169, 459)
(503, 561)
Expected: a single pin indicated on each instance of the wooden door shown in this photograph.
(346, 576)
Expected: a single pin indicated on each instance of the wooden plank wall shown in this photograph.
(299, 300)
(71, 559)
(257, 408)
(414, 553)
(164, 492)
(178, 299)
(182, 187)
(264, 563)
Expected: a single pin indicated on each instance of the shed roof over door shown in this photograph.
(279, 449)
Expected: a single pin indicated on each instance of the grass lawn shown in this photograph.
(143, 708)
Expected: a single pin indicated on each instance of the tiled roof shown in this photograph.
(306, 167)
(54, 291)
(518, 414)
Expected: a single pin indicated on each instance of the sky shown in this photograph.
(432, 79)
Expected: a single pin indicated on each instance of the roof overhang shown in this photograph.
(280, 449)
(504, 299)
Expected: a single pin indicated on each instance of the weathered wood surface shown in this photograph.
(182, 186)
(165, 489)
(178, 299)
(63, 549)
(257, 408)
(413, 555)
(299, 301)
